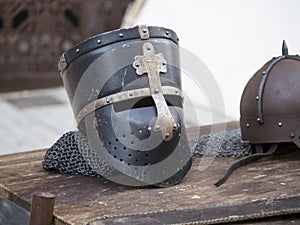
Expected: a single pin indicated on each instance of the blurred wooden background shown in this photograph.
(34, 33)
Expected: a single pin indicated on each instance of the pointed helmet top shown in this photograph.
(285, 50)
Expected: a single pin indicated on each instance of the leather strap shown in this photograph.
(247, 160)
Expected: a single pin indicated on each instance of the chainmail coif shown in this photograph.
(65, 156)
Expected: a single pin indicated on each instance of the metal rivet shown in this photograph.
(148, 47)
(175, 126)
(130, 94)
(149, 128)
(280, 124)
(248, 125)
(167, 32)
(292, 135)
(140, 131)
(98, 42)
(257, 97)
(156, 91)
(258, 119)
(121, 35)
(107, 100)
(77, 50)
(144, 30)
(264, 72)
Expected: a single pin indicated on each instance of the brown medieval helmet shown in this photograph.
(270, 108)
(270, 104)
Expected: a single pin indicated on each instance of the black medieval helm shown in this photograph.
(270, 109)
(125, 91)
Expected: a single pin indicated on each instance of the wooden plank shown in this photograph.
(42, 207)
(209, 214)
(80, 199)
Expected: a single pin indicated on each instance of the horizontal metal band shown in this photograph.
(111, 37)
(123, 96)
(275, 129)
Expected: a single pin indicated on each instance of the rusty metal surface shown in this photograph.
(33, 34)
(269, 112)
(81, 199)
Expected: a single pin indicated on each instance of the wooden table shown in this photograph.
(261, 189)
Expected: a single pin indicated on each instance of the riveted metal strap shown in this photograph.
(115, 36)
(153, 64)
(123, 96)
(263, 80)
(261, 86)
(144, 32)
(62, 64)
